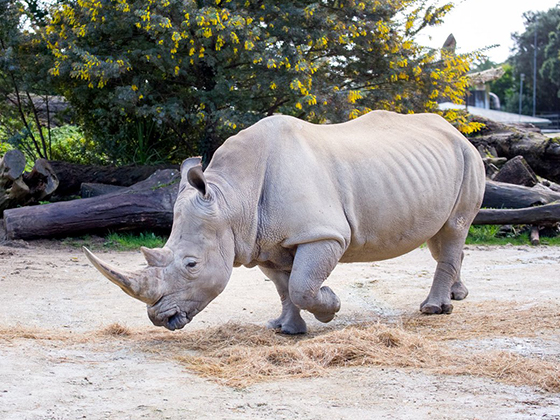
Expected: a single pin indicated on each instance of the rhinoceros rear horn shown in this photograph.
(139, 285)
(157, 257)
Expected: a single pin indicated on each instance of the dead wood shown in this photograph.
(541, 153)
(71, 175)
(20, 189)
(12, 187)
(547, 214)
(42, 181)
(94, 189)
(501, 195)
(517, 171)
(147, 205)
(534, 235)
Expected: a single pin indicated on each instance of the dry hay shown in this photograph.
(240, 355)
(488, 319)
(117, 330)
(256, 354)
(20, 332)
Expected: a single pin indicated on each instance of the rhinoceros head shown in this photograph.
(195, 264)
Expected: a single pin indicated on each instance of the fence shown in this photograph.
(554, 121)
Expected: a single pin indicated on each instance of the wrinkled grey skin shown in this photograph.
(295, 199)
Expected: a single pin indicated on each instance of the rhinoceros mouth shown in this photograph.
(171, 315)
(177, 321)
(172, 319)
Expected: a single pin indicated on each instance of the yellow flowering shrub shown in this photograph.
(201, 70)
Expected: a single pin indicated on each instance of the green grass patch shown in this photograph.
(493, 235)
(555, 241)
(130, 241)
(117, 241)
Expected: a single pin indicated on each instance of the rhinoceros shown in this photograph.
(295, 199)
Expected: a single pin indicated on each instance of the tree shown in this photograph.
(178, 77)
(547, 26)
(25, 89)
(550, 69)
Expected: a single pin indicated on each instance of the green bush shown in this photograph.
(70, 144)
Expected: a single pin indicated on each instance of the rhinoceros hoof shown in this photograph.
(288, 327)
(431, 309)
(459, 291)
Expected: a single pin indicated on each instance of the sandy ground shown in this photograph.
(50, 290)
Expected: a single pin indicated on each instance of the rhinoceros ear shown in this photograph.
(185, 167)
(196, 178)
(189, 163)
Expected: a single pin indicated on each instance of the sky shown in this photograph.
(477, 24)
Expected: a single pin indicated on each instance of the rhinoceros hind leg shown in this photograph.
(313, 263)
(447, 249)
(290, 320)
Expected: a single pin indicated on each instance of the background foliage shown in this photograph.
(547, 25)
(158, 80)
(164, 79)
(24, 78)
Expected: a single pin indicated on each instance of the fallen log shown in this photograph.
(541, 152)
(94, 189)
(12, 188)
(72, 176)
(42, 181)
(20, 189)
(501, 195)
(547, 214)
(517, 171)
(147, 205)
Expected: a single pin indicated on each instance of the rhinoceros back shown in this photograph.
(381, 185)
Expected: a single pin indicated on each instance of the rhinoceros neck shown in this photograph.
(238, 174)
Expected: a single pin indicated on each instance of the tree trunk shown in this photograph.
(71, 175)
(500, 195)
(541, 153)
(147, 205)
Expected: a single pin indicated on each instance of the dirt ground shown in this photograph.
(57, 363)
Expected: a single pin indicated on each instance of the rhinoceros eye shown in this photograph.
(190, 264)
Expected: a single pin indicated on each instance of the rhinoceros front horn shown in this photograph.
(140, 285)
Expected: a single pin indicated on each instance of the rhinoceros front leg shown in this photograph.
(290, 320)
(312, 265)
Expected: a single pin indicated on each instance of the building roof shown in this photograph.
(498, 116)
